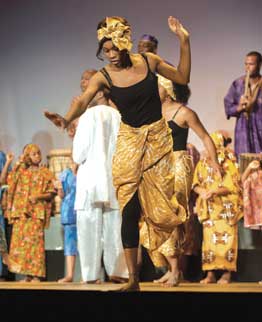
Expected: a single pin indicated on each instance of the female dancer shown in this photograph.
(143, 161)
(180, 119)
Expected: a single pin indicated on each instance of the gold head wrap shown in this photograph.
(223, 152)
(218, 140)
(29, 148)
(168, 85)
(119, 33)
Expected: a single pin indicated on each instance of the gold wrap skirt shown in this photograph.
(184, 171)
(144, 162)
(183, 178)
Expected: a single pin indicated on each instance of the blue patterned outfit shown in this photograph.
(68, 214)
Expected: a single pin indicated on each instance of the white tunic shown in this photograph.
(98, 216)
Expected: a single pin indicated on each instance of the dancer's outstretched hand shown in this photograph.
(176, 27)
(57, 119)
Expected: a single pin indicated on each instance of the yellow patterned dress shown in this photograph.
(27, 249)
(144, 162)
(220, 214)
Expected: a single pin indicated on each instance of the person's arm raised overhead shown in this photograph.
(181, 74)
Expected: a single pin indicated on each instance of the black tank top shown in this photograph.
(179, 134)
(138, 104)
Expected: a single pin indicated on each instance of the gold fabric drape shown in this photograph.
(144, 162)
(184, 171)
(183, 178)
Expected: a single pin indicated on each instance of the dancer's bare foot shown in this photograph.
(130, 287)
(210, 278)
(225, 278)
(173, 280)
(132, 284)
(66, 279)
(163, 279)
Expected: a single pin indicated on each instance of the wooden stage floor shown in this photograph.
(145, 287)
(51, 301)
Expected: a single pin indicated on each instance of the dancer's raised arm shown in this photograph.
(181, 74)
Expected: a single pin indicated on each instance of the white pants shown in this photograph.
(99, 238)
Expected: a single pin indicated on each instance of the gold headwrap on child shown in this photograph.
(29, 148)
(218, 140)
(119, 33)
(168, 85)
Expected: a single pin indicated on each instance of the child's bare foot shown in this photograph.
(164, 278)
(66, 279)
(26, 279)
(225, 278)
(35, 280)
(210, 278)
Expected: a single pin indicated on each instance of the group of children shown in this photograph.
(27, 205)
(215, 200)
